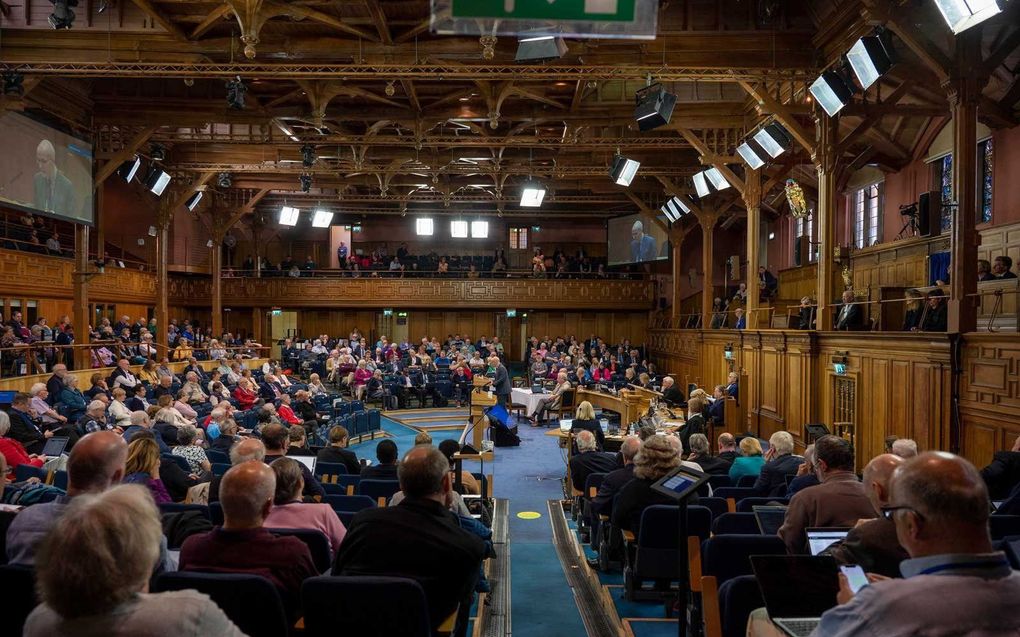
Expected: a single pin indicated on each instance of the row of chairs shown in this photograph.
(355, 605)
(57, 479)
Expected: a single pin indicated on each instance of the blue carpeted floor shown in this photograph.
(542, 602)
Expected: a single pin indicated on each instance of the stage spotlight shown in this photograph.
(654, 107)
(459, 229)
(869, 59)
(193, 200)
(157, 152)
(322, 219)
(129, 168)
(479, 229)
(832, 92)
(12, 83)
(675, 209)
(235, 93)
(289, 216)
(152, 231)
(224, 180)
(774, 139)
(307, 155)
(701, 185)
(750, 156)
(532, 194)
(623, 170)
(306, 182)
(62, 16)
(961, 15)
(156, 180)
(716, 177)
(539, 47)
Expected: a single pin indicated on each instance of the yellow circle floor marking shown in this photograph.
(529, 515)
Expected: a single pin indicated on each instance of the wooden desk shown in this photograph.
(629, 403)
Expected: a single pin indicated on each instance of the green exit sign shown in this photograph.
(589, 10)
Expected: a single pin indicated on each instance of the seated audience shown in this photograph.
(291, 512)
(189, 447)
(602, 503)
(386, 469)
(95, 464)
(954, 583)
(839, 501)
(727, 446)
(695, 420)
(142, 468)
(120, 415)
(24, 427)
(336, 451)
(1002, 267)
(553, 400)
(750, 462)
(419, 539)
(297, 443)
(873, 544)
(658, 456)
(671, 393)
(13, 451)
(701, 455)
(228, 436)
(780, 462)
(806, 475)
(904, 448)
(584, 420)
(93, 574)
(243, 545)
(139, 422)
(589, 460)
(276, 437)
(935, 314)
(1002, 475)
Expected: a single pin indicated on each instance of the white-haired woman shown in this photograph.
(93, 571)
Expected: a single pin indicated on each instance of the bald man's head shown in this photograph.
(96, 463)
(942, 505)
(247, 449)
(424, 473)
(246, 494)
(629, 448)
(877, 475)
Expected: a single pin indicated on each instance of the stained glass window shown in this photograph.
(984, 157)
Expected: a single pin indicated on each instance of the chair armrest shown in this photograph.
(731, 505)
(710, 612)
(694, 562)
(603, 517)
(628, 536)
(592, 492)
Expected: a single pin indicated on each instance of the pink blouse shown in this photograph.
(310, 515)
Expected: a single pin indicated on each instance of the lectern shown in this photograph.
(480, 401)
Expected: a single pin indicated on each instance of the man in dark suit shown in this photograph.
(500, 380)
(935, 314)
(602, 503)
(24, 427)
(269, 389)
(386, 454)
(695, 421)
(671, 393)
(1002, 267)
(701, 454)
(717, 409)
(727, 446)
(338, 453)
(850, 317)
(589, 460)
(419, 539)
(423, 385)
(642, 246)
(779, 463)
(1002, 475)
(53, 190)
(873, 544)
(55, 384)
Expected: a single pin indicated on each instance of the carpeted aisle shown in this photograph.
(542, 603)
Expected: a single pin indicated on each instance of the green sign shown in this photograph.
(587, 10)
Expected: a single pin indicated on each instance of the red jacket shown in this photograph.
(245, 397)
(285, 412)
(15, 454)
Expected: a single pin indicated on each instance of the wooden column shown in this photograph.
(677, 239)
(163, 220)
(258, 320)
(964, 92)
(752, 200)
(216, 272)
(707, 220)
(80, 317)
(825, 159)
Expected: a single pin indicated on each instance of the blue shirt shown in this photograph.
(643, 249)
(951, 594)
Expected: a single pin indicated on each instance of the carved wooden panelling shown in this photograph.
(40, 277)
(989, 395)
(413, 293)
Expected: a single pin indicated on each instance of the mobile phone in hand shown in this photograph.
(854, 576)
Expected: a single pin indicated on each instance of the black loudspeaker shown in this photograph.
(929, 214)
(815, 430)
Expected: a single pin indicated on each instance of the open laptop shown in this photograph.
(820, 539)
(769, 517)
(797, 589)
(308, 461)
(54, 447)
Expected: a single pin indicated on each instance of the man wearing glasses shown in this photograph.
(955, 584)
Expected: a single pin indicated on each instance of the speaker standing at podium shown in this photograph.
(500, 380)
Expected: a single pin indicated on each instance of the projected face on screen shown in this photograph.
(636, 240)
(60, 180)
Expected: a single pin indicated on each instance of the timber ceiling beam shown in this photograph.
(157, 17)
(379, 20)
(781, 113)
(212, 19)
(647, 213)
(707, 157)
